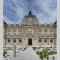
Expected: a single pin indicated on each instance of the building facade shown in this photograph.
(30, 32)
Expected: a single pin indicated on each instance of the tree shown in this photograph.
(45, 53)
(4, 53)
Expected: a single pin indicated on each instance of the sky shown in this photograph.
(15, 10)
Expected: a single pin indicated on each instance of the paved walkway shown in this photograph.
(27, 54)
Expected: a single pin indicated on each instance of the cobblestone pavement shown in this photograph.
(28, 54)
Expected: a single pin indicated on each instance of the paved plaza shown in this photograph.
(27, 54)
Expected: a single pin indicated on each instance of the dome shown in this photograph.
(30, 18)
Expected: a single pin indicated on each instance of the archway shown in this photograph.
(29, 41)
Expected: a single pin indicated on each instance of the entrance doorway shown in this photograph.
(29, 41)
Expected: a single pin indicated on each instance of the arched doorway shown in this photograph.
(29, 41)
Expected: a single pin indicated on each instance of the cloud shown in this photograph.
(7, 20)
(45, 10)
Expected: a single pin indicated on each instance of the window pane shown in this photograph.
(51, 41)
(8, 40)
(40, 40)
(45, 41)
(20, 40)
(14, 41)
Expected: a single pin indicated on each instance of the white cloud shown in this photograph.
(7, 20)
(44, 9)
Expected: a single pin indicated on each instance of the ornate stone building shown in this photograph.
(30, 32)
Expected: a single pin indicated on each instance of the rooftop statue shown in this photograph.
(30, 13)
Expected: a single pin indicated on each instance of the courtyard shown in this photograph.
(27, 53)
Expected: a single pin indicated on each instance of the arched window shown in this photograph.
(51, 41)
(14, 41)
(8, 40)
(20, 40)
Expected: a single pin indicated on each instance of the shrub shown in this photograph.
(4, 53)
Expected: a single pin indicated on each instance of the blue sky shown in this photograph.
(15, 10)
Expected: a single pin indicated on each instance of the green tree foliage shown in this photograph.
(45, 53)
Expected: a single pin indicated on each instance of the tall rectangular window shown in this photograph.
(51, 41)
(45, 40)
(40, 40)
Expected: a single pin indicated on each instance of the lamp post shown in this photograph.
(14, 51)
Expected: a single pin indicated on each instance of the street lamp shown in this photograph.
(14, 51)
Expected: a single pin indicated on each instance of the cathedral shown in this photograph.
(30, 33)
